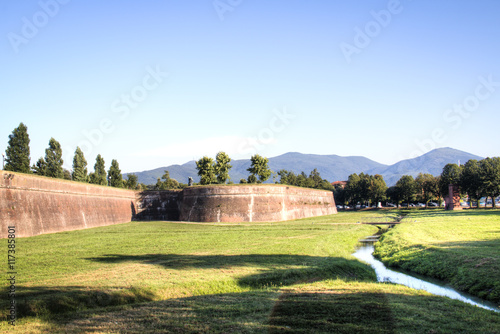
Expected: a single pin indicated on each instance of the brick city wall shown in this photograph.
(254, 203)
(39, 205)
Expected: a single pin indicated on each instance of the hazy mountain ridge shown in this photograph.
(331, 167)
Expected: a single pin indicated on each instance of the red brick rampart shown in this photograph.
(254, 203)
(39, 205)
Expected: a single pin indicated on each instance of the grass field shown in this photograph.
(154, 277)
(460, 247)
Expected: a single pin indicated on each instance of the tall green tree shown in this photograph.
(115, 175)
(259, 167)
(40, 168)
(17, 154)
(377, 188)
(340, 196)
(470, 180)
(53, 158)
(99, 175)
(302, 180)
(364, 187)
(222, 167)
(80, 172)
(427, 187)
(490, 177)
(131, 182)
(451, 174)
(394, 195)
(352, 190)
(206, 171)
(316, 180)
(407, 188)
(287, 177)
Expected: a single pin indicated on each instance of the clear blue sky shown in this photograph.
(153, 83)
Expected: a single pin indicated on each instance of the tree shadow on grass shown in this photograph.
(336, 308)
(43, 301)
(273, 270)
(325, 312)
(245, 312)
(375, 308)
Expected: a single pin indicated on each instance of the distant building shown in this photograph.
(339, 183)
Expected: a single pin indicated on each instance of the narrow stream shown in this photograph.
(365, 254)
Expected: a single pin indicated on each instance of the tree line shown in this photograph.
(476, 179)
(314, 180)
(369, 190)
(17, 159)
(216, 171)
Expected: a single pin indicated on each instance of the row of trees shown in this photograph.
(314, 180)
(211, 171)
(423, 188)
(372, 189)
(477, 179)
(17, 159)
(362, 188)
(216, 171)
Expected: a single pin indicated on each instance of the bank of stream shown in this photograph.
(434, 286)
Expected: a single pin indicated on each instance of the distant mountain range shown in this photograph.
(331, 167)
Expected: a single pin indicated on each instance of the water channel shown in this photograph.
(365, 254)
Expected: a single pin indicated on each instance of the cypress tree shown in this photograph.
(18, 152)
(80, 172)
(53, 158)
(99, 174)
(115, 175)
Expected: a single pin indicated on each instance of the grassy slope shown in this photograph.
(157, 276)
(460, 247)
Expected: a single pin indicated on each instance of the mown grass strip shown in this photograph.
(462, 248)
(190, 278)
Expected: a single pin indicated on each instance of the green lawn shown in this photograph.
(460, 247)
(150, 277)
